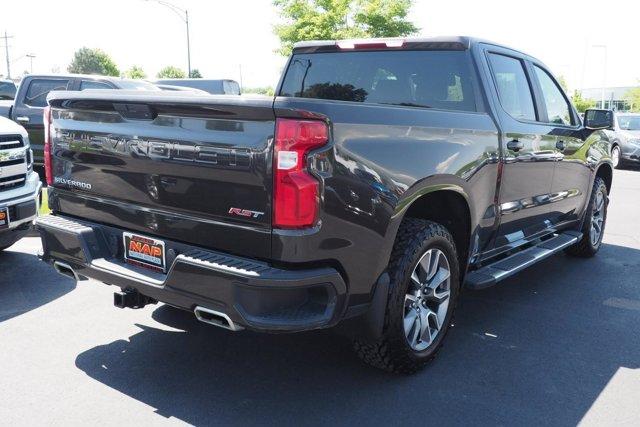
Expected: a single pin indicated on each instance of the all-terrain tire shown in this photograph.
(392, 352)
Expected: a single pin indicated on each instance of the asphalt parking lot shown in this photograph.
(556, 345)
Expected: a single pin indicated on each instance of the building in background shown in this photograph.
(614, 97)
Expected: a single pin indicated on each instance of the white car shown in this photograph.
(19, 185)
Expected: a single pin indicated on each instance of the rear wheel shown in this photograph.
(424, 289)
(594, 222)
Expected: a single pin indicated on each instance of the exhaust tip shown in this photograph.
(216, 318)
(66, 270)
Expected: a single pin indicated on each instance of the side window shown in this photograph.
(91, 84)
(558, 109)
(513, 87)
(39, 89)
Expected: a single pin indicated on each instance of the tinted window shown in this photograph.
(513, 87)
(558, 110)
(40, 88)
(7, 90)
(231, 87)
(136, 85)
(91, 84)
(434, 79)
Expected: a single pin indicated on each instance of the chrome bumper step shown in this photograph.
(491, 274)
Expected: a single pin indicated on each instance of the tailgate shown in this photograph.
(193, 169)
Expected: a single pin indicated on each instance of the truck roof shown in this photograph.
(435, 43)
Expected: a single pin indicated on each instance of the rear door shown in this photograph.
(528, 152)
(29, 106)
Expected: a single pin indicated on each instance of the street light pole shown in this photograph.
(180, 12)
(604, 73)
(31, 56)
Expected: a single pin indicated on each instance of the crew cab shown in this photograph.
(384, 176)
(19, 184)
(31, 98)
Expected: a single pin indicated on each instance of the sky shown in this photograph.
(234, 38)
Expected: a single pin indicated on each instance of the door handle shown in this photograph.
(22, 119)
(560, 145)
(515, 145)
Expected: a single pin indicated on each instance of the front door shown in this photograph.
(529, 153)
(572, 178)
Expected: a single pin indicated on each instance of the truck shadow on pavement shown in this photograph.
(539, 348)
(26, 285)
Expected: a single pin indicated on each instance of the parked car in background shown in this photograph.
(625, 146)
(19, 184)
(180, 88)
(384, 176)
(31, 98)
(7, 89)
(214, 87)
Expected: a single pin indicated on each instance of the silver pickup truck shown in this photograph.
(19, 185)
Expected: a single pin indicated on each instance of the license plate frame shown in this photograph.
(5, 220)
(144, 251)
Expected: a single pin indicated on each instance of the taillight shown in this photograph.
(48, 172)
(295, 191)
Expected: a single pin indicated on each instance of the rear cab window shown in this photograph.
(415, 78)
(39, 89)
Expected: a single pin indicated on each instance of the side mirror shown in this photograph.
(598, 119)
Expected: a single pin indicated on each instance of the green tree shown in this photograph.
(341, 19)
(171, 72)
(563, 84)
(195, 74)
(135, 72)
(633, 99)
(92, 61)
(581, 103)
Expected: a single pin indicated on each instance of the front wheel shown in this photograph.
(616, 157)
(594, 222)
(424, 288)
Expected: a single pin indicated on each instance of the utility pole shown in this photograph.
(6, 52)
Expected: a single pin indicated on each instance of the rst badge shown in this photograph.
(245, 213)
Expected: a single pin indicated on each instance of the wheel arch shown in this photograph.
(605, 171)
(450, 206)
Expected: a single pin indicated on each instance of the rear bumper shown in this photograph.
(252, 294)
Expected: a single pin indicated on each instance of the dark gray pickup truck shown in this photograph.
(383, 177)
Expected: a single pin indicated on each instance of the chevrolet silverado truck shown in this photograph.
(383, 177)
(19, 184)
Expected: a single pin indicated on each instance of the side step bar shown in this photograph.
(491, 274)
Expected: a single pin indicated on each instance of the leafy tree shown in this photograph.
(135, 72)
(581, 103)
(633, 99)
(92, 61)
(171, 72)
(259, 90)
(341, 19)
(195, 74)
